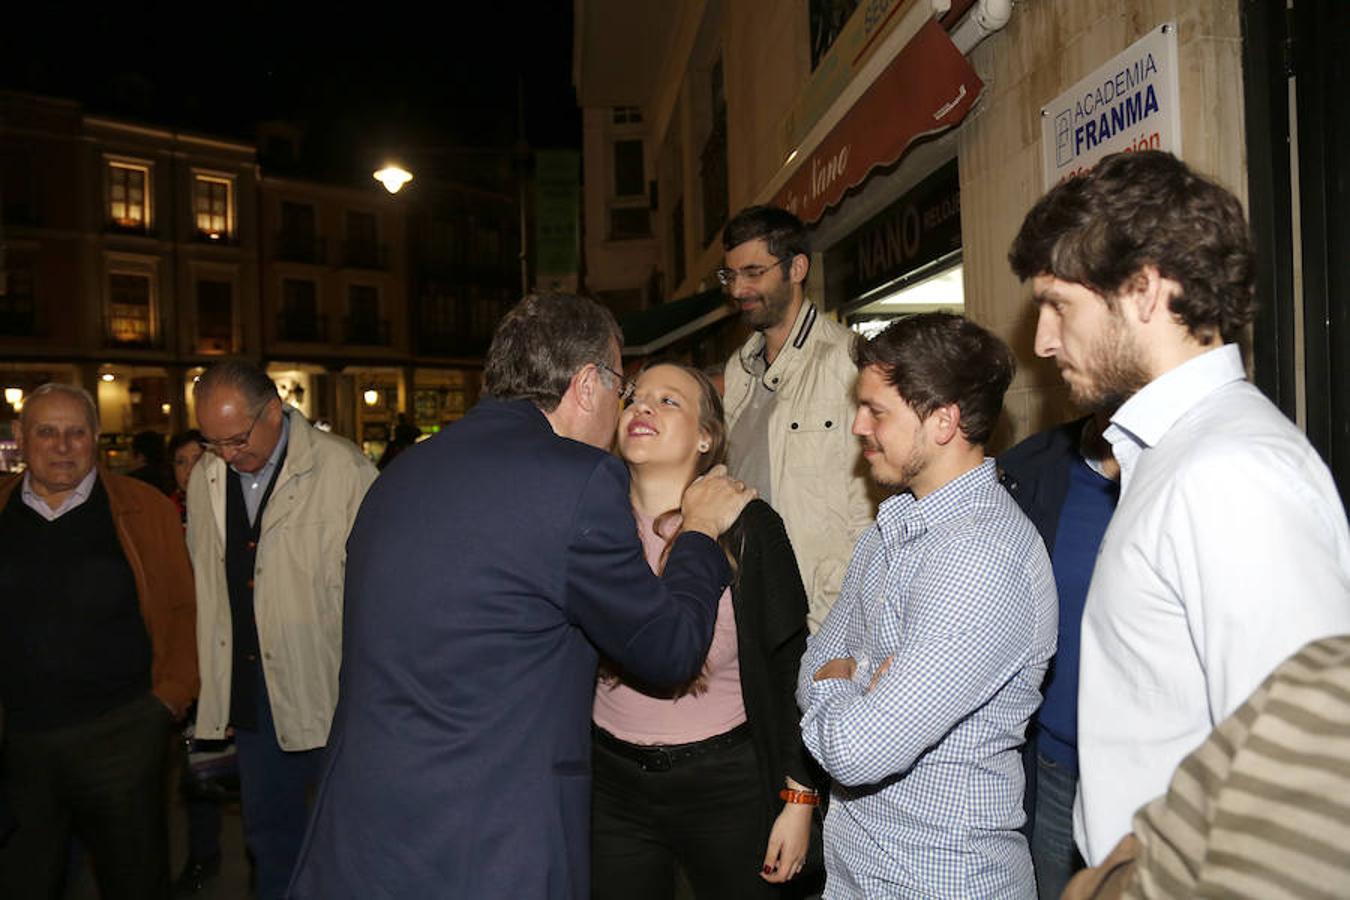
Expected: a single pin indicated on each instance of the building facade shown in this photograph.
(913, 136)
(129, 259)
(132, 256)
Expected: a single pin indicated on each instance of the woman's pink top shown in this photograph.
(639, 718)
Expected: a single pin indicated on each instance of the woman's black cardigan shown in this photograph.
(770, 606)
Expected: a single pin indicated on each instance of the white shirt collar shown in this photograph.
(1151, 412)
(36, 502)
(1143, 420)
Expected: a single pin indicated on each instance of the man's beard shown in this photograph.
(773, 310)
(910, 469)
(1112, 374)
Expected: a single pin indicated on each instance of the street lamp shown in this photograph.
(393, 177)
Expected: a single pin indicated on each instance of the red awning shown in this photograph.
(927, 88)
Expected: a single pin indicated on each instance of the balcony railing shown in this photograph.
(364, 331)
(365, 255)
(134, 229)
(219, 238)
(302, 328)
(132, 333)
(301, 248)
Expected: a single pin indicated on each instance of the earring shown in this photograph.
(703, 448)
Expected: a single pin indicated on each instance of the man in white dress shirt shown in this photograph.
(1229, 549)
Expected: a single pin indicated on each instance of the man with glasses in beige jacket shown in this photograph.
(790, 400)
(268, 514)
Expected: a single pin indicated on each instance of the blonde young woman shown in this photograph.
(712, 777)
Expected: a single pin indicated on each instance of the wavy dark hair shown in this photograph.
(182, 439)
(1147, 208)
(936, 358)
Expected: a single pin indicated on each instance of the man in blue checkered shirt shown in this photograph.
(918, 687)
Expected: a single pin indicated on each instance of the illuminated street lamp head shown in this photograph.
(393, 177)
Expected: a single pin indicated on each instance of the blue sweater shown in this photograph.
(1083, 518)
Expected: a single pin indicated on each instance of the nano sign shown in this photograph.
(920, 227)
(1128, 103)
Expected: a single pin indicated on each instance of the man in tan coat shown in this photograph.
(790, 400)
(268, 514)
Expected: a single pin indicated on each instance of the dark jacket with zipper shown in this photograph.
(770, 608)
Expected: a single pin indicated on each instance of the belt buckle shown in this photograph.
(657, 761)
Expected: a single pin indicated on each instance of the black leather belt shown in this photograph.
(663, 757)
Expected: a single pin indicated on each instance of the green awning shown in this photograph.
(650, 330)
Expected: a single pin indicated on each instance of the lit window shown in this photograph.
(212, 204)
(130, 308)
(129, 195)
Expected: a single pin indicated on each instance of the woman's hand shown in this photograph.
(788, 841)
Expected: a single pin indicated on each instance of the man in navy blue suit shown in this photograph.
(487, 569)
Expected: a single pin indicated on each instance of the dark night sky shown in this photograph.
(404, 76)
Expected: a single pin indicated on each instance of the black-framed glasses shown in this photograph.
(234, 443)
(728, 276)
(626, 387)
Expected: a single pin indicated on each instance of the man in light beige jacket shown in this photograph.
(790, 401)
(268, 516)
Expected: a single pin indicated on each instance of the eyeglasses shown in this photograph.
(234, 443)
(728, 276)
(625, 386)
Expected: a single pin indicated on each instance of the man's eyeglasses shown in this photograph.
(625, 386)
(750, 273)
(234, 443)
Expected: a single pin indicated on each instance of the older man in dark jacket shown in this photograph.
(97, 656)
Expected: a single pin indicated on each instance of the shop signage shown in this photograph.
(850, 50)
(923, 225)
(927, 88)
(1131, 102)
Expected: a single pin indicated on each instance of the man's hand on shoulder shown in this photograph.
(713, 502)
